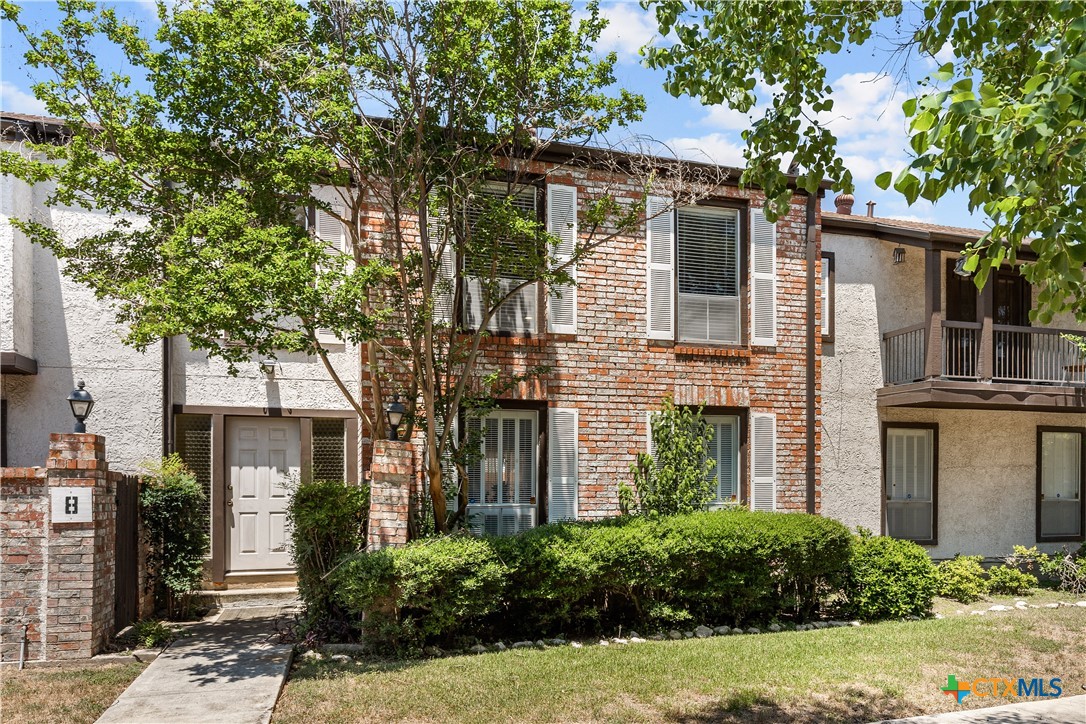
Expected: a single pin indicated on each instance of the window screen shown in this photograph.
(1061, 484)
(192, 441)
(708, 274)
(724, 453)
(910, 483)
(329, 454)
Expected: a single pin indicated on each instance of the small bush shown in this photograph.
(327, 521)
(1067, 568)
(675, 479)
(962, 579)
(433, 589)
(1010, 581)
(889, 578)
(151, 634)
(175, 527)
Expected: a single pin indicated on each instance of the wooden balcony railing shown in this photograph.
(1023, 355)
(903, 355)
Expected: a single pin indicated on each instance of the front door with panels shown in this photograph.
(502, 485)
(262, 456)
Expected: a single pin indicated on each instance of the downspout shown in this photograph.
(812, 239)
(167, 396)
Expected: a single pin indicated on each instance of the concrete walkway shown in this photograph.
(225, 672)
(1065, 710)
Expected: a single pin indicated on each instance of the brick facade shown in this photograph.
(57, 578)
(392, 477)
(614, 375)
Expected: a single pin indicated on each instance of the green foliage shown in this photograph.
(1067, 567)
(152, 634)
(889, 578)
(217, 131)
(962, 578)
(1010, 581)
(327, 521)
(675, 479)
(430, 589)
(579, 578)
(1003, 122)
(175, 525)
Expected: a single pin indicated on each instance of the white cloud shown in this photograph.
(15, 100)
(712, 148)
(628, 29)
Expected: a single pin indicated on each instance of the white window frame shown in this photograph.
(525, 513)
(689, 299)
(718, 500)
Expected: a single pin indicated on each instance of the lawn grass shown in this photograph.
(63, 694)
(846, 674)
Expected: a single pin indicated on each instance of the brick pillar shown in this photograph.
(80, 546)
(392, 473)
(24, 511)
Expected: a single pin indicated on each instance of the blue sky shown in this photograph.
(867, 116)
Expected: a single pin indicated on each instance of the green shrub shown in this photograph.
(889, 578)
(579, 578)
(433, 589)
(328, 521)
(962, 578)
(1067, 568)
(175, 527)
(1010, 581)
(151, 634)
(675, 479)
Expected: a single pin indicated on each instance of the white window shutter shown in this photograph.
(660, 263)
(763, 272)
(562, 467)
(331, 231)
(562, 222)
(763, 489)
(444, 289)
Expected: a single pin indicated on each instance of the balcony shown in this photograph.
(978, 365)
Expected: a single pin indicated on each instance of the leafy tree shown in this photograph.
(240, 111)
(1005, 121)
(676, 477)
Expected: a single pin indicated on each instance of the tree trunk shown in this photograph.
(437, 495)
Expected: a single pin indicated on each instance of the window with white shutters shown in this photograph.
(1060, 484)
(502, 483)
(724, 455)
(707, 273)
(330, 230)
(910, 483)
(519, 313)
(763, 279)
(443, 258)
(562, 464)
(562, 222)
(763, 478)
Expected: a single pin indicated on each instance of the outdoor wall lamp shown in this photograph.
(394, 412)
(82, 403)
(960, 269)
(267, 367)
(899, 255)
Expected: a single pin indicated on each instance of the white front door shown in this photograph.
(262, 455)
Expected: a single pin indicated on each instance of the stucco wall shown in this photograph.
(16, 270)
(987, 477)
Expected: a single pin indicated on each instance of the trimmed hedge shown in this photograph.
(732, 567)
(889, 578)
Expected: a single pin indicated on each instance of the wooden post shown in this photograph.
(986, 343)
(933, 313)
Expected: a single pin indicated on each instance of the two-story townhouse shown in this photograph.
(949, 418)
(708, 304)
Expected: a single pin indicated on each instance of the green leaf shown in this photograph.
(924, 121)
(883, 180)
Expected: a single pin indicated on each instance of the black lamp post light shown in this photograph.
(82, 403)
(394, 412)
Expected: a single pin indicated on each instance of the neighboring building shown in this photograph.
(948, 417)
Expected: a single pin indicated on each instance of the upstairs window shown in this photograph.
(520, 313)
(708, 274)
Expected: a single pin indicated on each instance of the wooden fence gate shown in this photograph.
(126, 564)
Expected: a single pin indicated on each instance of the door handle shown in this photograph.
(230, 503)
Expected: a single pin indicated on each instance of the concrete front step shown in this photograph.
(251, 597)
